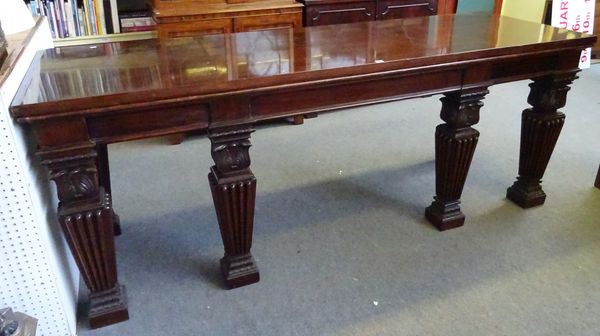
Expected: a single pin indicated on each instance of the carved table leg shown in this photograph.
(104, 180)
(597, 184)
(233, 189)
(540, 128)
(86, 218)
(455, 143)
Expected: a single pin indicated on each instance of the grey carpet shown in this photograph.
(340, 236)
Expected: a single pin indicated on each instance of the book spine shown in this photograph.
(58, 18)
(86, 16)
(69, 18)
(51, 18)
(63, 18)
(82, 23)
(101, 20)
(114, 10)
(94, 12)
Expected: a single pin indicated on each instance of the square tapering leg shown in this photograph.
(540, 128)
(455, 143)
(86, 217)
(233, 188)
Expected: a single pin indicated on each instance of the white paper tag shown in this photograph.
(578, 16)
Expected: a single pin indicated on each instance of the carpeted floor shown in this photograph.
(340, 236)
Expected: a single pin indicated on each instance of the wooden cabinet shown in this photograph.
(193, 17)
(322, 12)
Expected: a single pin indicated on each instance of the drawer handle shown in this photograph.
(388, 8)
(363, 9)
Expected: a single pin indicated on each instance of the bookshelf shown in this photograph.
(75, 22)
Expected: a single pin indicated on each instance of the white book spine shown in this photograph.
(114, 11)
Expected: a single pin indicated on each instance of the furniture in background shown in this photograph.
(597, 184)
(198, 86)
(323, 12)
(194, 17)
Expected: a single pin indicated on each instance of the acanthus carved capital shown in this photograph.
(460, 109)
(549, 93)
(230, 150)
(75, 183)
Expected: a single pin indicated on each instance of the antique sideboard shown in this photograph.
(76, 100)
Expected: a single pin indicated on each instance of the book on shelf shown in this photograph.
(134, 21)
(73, 18)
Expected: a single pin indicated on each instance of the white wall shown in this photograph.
(37, 273)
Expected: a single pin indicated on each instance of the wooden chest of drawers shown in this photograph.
(193, 17)
(321, 12)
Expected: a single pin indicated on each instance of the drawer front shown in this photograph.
(194, 28)
(395, 9)
(261, 22)
(317, 15)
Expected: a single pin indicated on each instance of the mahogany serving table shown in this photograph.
(78, 99)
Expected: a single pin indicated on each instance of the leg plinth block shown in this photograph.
(526, 195)
(239, 271)
(445, 215)
(108, 307)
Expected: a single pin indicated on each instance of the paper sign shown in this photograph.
(578, 16)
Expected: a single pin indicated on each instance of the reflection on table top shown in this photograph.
(250, 60)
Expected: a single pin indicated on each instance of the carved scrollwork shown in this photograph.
(74, 183)
(549, 93)
(230, 150)
(460, 109)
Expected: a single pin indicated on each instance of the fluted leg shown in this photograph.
(540, 129)
(233, 189)
(455, 143)
(86, 218)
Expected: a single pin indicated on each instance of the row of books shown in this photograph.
(72, 18)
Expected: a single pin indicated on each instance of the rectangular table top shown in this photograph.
(73, 78)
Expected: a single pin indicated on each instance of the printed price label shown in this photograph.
(577, 16)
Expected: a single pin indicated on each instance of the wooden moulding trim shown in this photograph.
(233, 14)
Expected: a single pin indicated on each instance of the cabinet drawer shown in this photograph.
(261, 22)
(192, 28)
(339, 13)
(395, 9)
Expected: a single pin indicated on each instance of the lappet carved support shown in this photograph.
(233, 189)
(455, 143)
(86, 218)
(540, 128)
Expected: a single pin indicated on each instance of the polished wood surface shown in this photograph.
(447, 7)
(77, 99)
(213, 64)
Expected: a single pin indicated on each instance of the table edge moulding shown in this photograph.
(458, 56)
